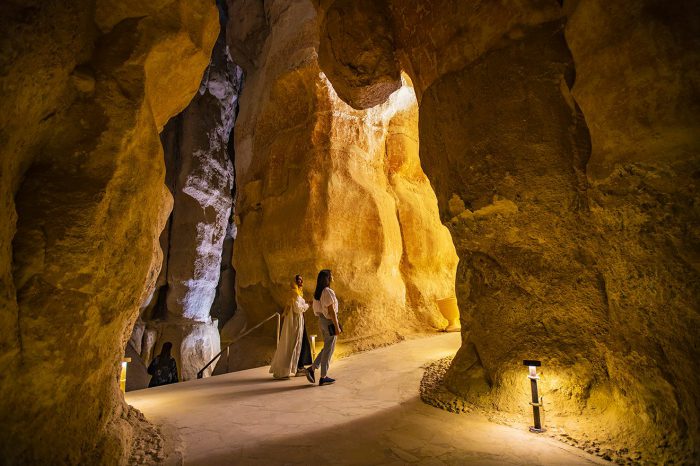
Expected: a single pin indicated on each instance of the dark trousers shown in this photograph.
(305, 355)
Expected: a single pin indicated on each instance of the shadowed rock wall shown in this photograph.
(576, 248)
(638, 81)
(86, 87)
(322, 185)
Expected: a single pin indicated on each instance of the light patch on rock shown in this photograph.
(503, 207)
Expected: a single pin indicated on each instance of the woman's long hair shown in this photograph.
(322, 282)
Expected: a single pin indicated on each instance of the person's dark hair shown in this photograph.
(322, 282)
(165, 350)
(296, 278)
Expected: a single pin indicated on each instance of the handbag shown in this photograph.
(331, 328)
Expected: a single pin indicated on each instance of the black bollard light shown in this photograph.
(533, 365)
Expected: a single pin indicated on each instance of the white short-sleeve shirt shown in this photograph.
(321, 306)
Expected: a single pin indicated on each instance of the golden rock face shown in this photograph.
(322, 185)
(562, 146)
(82, 160)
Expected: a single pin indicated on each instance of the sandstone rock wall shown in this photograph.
(322, 185)
(638, 76)
(578, 248)
(86, 87)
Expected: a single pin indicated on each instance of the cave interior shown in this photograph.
(168, 167)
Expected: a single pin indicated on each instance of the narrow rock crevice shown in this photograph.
(196, 284)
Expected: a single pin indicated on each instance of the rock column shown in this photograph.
(201, 178)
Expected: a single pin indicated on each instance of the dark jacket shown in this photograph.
(163, 372)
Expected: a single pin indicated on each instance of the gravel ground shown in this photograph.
(149, 445)
(434, 393)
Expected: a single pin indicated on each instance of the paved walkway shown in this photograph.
(372, 415)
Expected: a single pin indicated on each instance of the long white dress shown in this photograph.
(284, 362)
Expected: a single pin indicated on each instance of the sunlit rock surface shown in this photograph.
(576, 227)
(86, 87)
(322, 185)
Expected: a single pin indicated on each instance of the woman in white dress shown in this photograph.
(285, 360)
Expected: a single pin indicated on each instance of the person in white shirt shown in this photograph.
(325, 306)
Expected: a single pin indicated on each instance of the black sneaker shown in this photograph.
(326, 381)
(310, 375)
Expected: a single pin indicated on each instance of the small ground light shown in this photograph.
(122, 374)
(313, 347)
(536, 403)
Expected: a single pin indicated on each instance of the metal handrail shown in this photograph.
(200, 374)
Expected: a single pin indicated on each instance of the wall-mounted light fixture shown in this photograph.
(536, 402)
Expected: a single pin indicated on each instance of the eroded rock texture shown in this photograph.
(576, 227)
(200, 176)
(86, 87)
(322, 185)
(638, 71)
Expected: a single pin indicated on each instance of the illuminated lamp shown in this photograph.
(536, 402)
(313, 347)
(122, 375)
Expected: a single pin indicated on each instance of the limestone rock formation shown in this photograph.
(200, 176)
(576, 248)
(224, 305)
(366, 62)
(86, 87)
(322, 185)
(202, 193)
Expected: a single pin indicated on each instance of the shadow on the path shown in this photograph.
(408, 433)
(258, 391)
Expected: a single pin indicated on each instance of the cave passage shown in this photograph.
(166, 168)
(359, 204)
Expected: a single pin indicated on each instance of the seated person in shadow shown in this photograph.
(163, 368)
